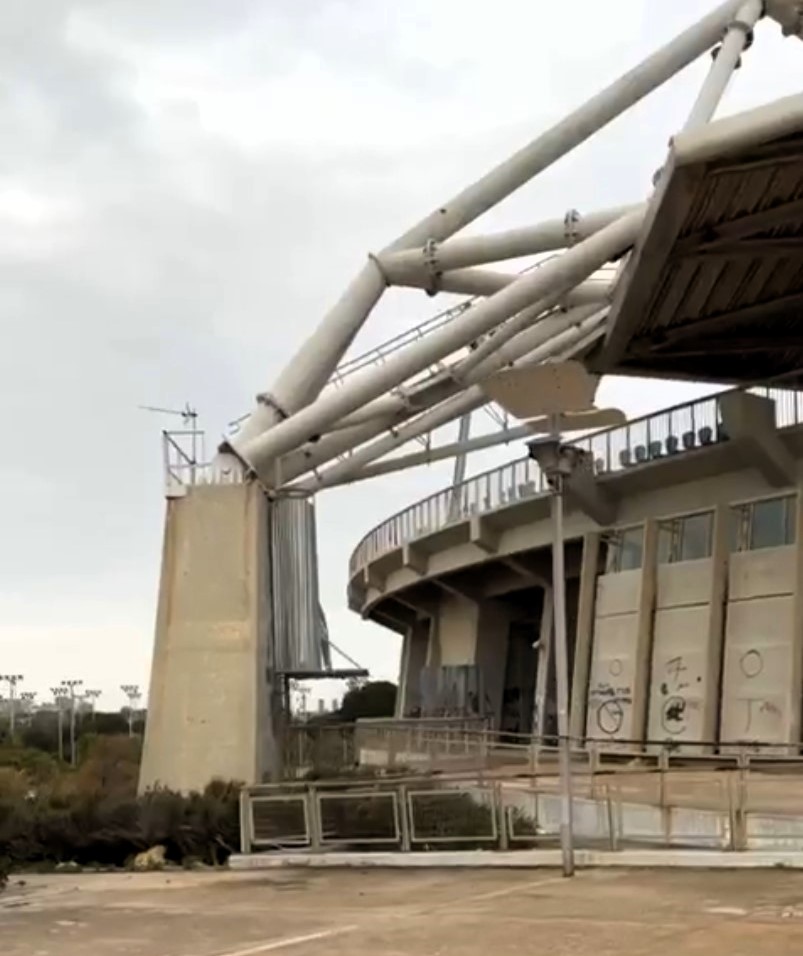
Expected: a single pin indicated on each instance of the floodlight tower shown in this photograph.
(12, 680)
(73, 695)
(134, 696)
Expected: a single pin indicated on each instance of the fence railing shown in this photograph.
(652, 438)
(742, 806)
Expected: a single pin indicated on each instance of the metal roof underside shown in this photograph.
(714, 288)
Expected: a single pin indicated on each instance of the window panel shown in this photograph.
(695, 537)
(770, 525)
(632, 548)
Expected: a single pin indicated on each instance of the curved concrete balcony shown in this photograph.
(462, 526)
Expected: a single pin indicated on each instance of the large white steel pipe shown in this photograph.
(726, 61)
(571, 131)
(470, 400)
(592, 292)
(314, 454)
(429, 456)
(557, 275)
(484, 282)
(512, 244)
(314, 363)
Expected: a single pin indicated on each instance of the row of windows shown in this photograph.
(755, 525)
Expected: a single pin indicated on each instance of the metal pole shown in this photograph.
(61, 732)
(562, 677)
(557, 275)
(12, 680)
(726, 60)
(72, 727)
(459, 473)
(439, 453)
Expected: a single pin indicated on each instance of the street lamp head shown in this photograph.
(556, 459)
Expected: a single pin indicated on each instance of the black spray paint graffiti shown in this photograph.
(751, 664)
(675, 709)
(611, 701)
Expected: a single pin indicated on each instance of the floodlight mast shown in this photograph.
(308, 372)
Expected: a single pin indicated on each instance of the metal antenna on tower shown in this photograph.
(184, 460)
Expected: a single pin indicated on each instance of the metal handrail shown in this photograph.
(658, 436)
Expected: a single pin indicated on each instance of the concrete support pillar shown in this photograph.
(619, 681)
(720, 555)
(687, 644)
(762, 666)
(646, 616)
(209, 707)
(415, 650)
(493, 631)
(544, 660)
(589, 570)
(796, 663)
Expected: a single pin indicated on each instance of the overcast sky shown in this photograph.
(186, 185)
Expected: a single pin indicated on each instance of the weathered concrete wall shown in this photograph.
(757, 696)
(614, 654)
(681, 658)
(493, 631)
(208, 707)
(458, 620)
(415, 651)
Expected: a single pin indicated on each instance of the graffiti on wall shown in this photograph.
(610, 699)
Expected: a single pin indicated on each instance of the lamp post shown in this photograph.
(60, 699)
(12, 680)
(70, 686)
(91, 696)
(552, 397)
(558, 462)
(134, 696)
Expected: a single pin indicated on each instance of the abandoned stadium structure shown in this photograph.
(682, 557)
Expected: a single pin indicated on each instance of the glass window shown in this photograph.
(625, 550)
(696, 532)
(685, 539)
(763, 524)
(667, 542)
(772, 524)
(632, 548)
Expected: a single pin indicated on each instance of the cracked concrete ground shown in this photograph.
(407, 913)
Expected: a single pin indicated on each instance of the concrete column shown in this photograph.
(493, 631)
(646, 616)
(687, 644)
(414, 656)
(796, 663)
(209, 707)
(545, 640)
(619, 680)
(589, 570)
(761, 670)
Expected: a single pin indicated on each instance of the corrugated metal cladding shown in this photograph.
(300, 634)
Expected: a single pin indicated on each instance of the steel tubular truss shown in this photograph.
(325, 421)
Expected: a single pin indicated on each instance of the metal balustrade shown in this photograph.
(651, 438)
(736, 804)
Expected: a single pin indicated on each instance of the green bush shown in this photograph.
(93, 816)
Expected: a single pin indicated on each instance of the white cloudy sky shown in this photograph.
(185, 185)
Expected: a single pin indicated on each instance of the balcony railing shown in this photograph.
(659, 436)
